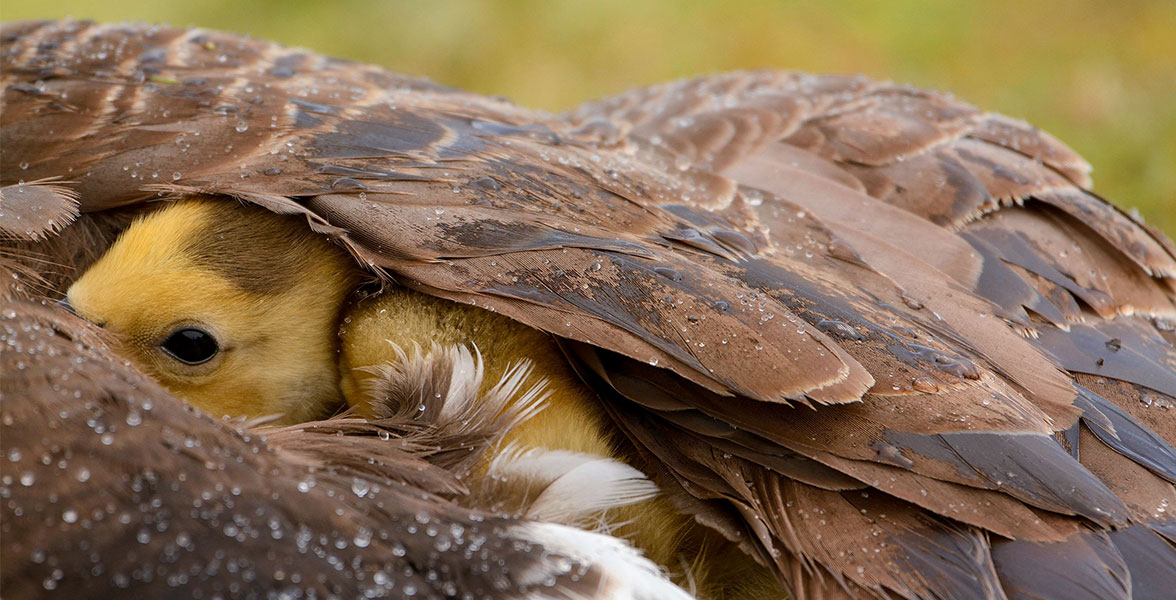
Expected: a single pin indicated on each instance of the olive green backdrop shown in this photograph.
(1099, 74)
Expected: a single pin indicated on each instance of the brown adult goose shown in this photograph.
(883, 343)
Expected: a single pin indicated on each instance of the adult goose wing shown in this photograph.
(992, 242)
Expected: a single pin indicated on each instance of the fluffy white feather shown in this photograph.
(573, 487)
(625, 574)
(446, 381)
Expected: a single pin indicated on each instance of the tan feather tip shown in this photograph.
(37, 209)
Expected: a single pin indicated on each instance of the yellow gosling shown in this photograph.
(232, 308)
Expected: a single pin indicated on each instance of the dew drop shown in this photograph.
(360, 487)
(362, 538)
(925, 384)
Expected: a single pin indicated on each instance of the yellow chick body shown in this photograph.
(291, 340)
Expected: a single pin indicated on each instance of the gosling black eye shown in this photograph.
(191, 345)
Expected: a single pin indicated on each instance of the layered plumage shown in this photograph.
(112, 487)
(888, 344)
(284, 335)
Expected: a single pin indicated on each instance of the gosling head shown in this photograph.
(231, 307)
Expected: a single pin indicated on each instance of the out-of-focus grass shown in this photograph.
(1099, 74)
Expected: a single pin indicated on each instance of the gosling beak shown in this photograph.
(64, 303)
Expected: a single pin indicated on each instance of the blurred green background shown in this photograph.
(1099, 74)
